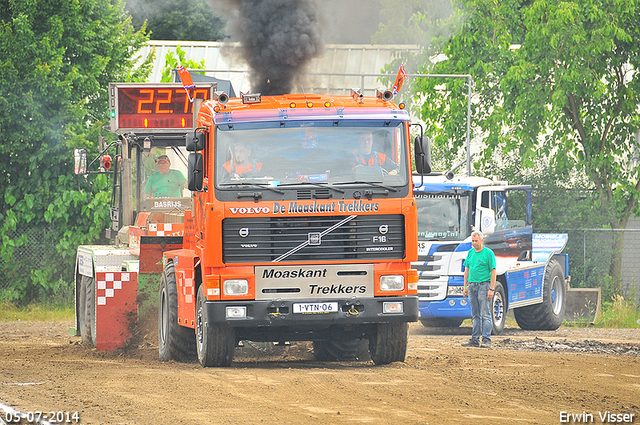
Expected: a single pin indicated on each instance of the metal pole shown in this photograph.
(584, 256)
(469, 82)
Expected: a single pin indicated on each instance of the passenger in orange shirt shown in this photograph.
(242, 164)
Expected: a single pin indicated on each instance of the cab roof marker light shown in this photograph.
(250, 98)
(357, 95)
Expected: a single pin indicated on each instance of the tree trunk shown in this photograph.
(617, 245)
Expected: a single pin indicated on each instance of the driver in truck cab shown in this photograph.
(164, 183)
(365, 155)
(242, 163)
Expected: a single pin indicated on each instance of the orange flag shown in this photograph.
(187, 82)
(402, 75)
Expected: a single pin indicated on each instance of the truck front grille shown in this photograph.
(333, 238)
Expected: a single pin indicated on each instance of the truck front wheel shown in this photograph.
(388, 342)
(215, 344)
(549, 314)
(175, 342)
(498, 309)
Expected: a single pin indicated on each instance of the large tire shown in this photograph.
(87, 310)
(549, 314)
(337, 351)
(215, 345)
(498, 309)
(442, 322)
(388, 343)
(175, 342)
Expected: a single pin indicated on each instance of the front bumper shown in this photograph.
(449, 307)
(280, 313)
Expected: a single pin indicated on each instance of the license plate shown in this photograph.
(315, 308)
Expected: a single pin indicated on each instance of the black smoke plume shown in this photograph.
(278, 38)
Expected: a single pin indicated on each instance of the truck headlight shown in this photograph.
(236, 287)
(392, 282)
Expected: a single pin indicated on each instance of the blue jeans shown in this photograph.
(480, 312)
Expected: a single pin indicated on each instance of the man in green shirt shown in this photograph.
(164, 183)
(479, 283)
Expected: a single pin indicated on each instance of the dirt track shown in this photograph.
(527, 377)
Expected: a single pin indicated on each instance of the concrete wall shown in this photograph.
(326, 74)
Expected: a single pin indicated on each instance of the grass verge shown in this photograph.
(36, 313)
(619, 313)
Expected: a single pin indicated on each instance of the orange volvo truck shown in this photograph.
(302, 227)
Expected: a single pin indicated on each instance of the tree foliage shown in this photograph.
(177, 20)
(174, 61)
(556, 81)
(411, 21)
(57, 60)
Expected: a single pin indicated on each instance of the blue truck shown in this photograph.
(532, 272)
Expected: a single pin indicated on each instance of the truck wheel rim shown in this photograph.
(164, 319)
(199, 329)
(498, 309)
(556, 295)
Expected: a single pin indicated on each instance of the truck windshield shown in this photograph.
(161, 179)
(311, 153)
(443, 216)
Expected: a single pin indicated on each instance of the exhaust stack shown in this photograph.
(385, 95)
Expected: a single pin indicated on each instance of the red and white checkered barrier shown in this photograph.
(166, 229)
(116, 308)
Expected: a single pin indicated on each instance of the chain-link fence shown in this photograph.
(38, 248)
(35, 249)
(591, 252)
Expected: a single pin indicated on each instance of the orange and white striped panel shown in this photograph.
(186, 284)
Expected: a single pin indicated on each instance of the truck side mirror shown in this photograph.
(195, 141)
(422, 151)
(80, 162)
(487, 221)
(195, 171)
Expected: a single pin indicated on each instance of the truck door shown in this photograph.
(503, 214)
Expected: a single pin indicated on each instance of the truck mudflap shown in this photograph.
(306, 312)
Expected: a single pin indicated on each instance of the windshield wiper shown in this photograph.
(323, 185)
(381, 186)
(253, 185)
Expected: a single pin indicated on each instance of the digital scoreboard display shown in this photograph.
(154, 107)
